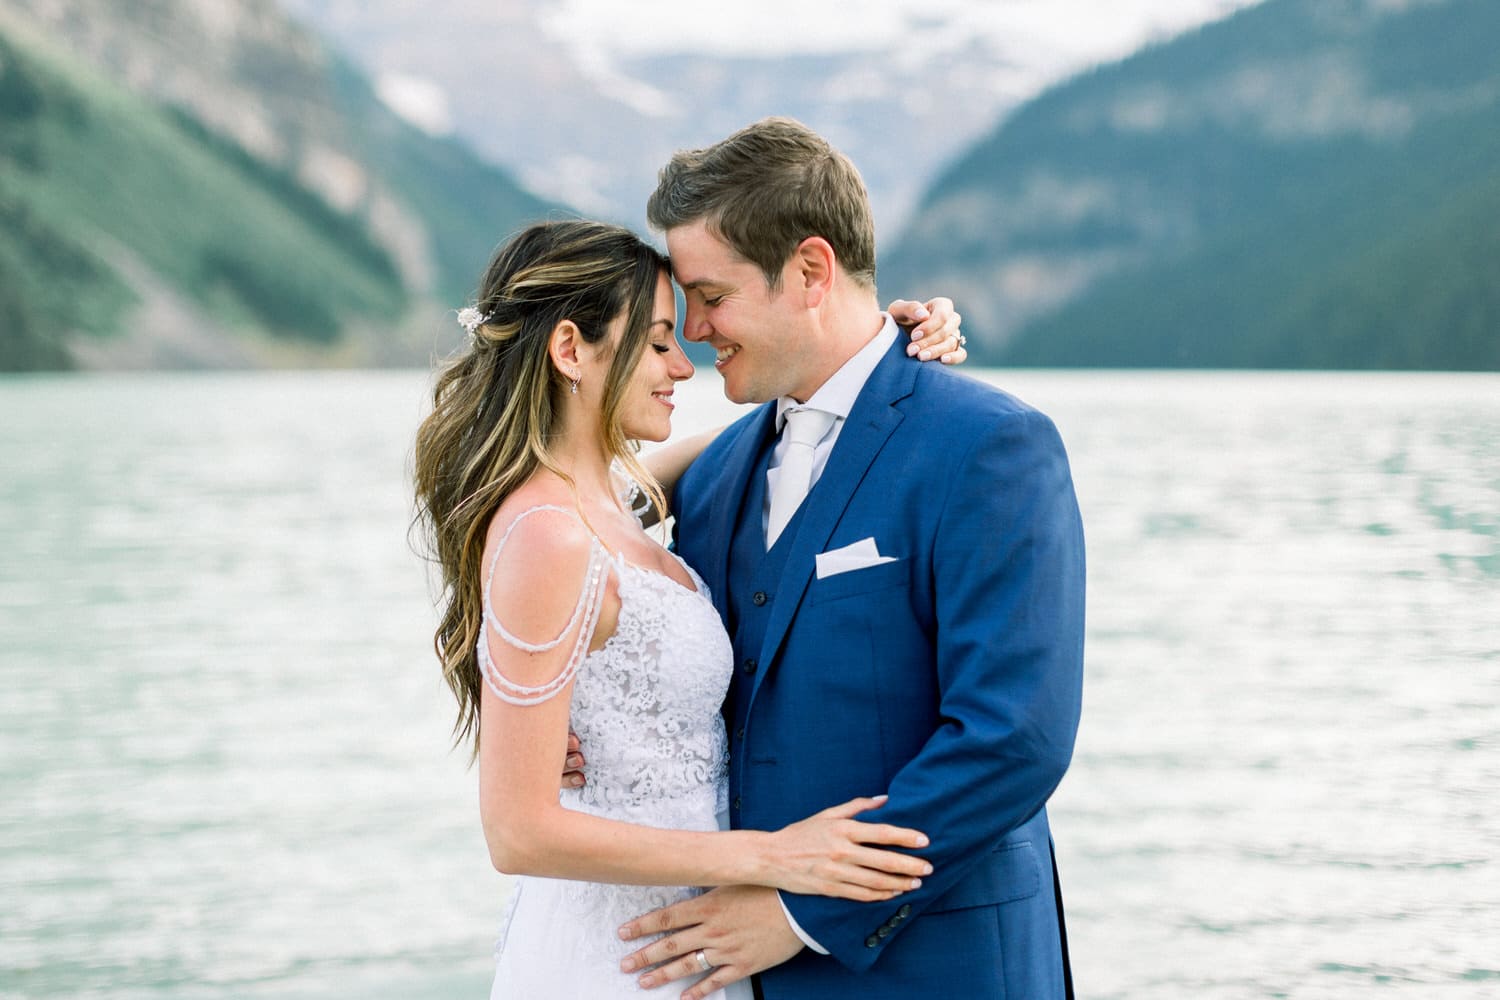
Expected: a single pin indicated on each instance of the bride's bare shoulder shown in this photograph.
(538, 560)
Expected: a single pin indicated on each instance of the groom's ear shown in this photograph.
(816, 265)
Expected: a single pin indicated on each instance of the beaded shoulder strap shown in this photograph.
(585, 616)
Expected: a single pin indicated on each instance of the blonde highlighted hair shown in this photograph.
(497, 405)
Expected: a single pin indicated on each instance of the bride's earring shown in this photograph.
(577, 377)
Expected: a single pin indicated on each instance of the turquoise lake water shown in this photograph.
(224, 758)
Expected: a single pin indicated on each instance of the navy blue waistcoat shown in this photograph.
(751, 594)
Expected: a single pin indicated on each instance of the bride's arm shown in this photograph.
(667, 463)
(522, 748)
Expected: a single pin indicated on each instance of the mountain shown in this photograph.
(592, 128)
(202, 182)
(1306, 184)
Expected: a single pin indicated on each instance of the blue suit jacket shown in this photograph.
(950, 678)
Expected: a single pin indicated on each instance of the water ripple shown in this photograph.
(223, 746)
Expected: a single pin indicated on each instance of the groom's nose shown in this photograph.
(695, 326)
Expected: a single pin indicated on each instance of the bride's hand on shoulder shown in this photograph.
(833, 854)
(935, 329)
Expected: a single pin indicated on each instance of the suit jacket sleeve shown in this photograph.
(1009, 591)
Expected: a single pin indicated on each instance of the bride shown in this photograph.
(561, 613)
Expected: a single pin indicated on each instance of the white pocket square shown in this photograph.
(861, 554)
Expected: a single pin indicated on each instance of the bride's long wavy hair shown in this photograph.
(497, 404)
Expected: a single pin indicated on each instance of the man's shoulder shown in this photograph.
(713, 456)
(709, 466)
(944, 396)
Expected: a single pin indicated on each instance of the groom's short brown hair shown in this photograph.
(764, 190)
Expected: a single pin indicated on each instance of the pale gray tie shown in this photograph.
(803, 430)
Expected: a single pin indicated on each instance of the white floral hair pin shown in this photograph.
(470, 319)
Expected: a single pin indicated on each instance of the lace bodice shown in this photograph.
(646, 705)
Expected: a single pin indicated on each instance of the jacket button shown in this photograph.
(871, 941)
(739, 733)
(759, 598)
(883, 931)
(905, 911)
(736, 801)
(750, 666)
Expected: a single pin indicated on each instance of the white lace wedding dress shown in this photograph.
(646, 711)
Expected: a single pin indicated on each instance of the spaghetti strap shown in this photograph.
(584, 618)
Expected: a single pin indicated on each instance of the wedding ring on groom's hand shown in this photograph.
(703, 965)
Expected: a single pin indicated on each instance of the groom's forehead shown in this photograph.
(692, 274)
(697, 247)
(694, 271)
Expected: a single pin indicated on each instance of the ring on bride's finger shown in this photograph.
(703, 965)
(962, 340)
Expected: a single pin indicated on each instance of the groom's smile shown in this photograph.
(753, 328)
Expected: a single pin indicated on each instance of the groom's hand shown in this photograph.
(572, 776)
(740, 929)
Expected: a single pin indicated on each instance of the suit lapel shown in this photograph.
(869, 426)
(732, 486)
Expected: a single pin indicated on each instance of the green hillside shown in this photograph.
(469, 206)
(107, 199)
(1303, 185)
(93, 174)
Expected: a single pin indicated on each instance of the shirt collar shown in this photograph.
(838, 394)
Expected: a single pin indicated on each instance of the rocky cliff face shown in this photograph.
(273, 143)
(252, 75)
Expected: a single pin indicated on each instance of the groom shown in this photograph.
(897, 553)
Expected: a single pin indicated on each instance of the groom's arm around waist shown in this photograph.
(1008, 587)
